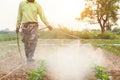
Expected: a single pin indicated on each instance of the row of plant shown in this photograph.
(61, 33)
(64, 33)
(101, 73)
(7, 37)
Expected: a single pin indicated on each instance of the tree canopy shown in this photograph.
(105, 12)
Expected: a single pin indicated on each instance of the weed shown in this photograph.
(101, 72)
(38, 74)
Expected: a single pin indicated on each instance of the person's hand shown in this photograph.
(17, 30)
(50, 27)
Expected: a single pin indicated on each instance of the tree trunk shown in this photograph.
(102, 29)
(102, 26)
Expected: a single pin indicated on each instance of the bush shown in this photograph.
(57, 33)
(116, 30)
(87, 34)
(107, 35)
(38, 74)
(101, 72)
(64, 33)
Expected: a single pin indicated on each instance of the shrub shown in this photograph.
(116, 30)
(107, 35)
(88, 34)
(64, 33)
(101, 72)
(38, 74)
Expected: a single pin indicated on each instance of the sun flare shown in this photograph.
(62, 11)
(56, 11)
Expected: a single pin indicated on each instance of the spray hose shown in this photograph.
(76, 37)
(19, 46)
(41, 29)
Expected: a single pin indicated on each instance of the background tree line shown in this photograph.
(105, 12)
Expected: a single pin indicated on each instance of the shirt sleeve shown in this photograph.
(19, 16)
(42, 16)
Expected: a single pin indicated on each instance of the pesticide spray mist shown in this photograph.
(70, 62)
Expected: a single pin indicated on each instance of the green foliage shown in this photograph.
(64, 33)
(101, 72)
(112, 48)
(87, 34)
(103, 11)
(38, 74)
(7, 37)
(116, 30)
(57, 33)
(107, 44)
(107, 35)
(96, 35)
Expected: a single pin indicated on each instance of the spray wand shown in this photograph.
(19, 46)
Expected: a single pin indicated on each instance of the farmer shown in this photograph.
(27, 20)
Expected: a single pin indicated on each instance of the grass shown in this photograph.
(108, 44)
(113, 49)
(93, 37)
(59, 33)
(7, 37)
(101, 41)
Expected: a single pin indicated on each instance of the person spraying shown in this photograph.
(27, 20)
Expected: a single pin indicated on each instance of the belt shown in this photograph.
(25, 25)
(31, 23)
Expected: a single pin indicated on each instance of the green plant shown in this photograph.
(7, 37)
(110, 45)
(101, 72)
(38, 74)
(116, 30)
(107, 35)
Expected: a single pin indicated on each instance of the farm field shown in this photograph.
(76, 40)
(64, 54)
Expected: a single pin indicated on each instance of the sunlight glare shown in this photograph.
(62, 11)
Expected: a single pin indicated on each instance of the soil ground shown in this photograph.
(9, 63)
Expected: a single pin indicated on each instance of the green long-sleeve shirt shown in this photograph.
(28, 12)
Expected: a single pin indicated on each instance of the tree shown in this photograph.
(105, 12)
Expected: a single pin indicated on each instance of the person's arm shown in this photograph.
(42, 16)
(19, 18)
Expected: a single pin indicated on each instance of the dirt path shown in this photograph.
(113, 64)
(6, 65)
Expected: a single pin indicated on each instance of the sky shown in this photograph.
(56, 11)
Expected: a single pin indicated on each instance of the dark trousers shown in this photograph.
(30, 38)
